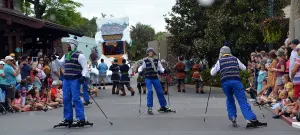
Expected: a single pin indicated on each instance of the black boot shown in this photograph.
(254, 124)
(234, 124)
(150, 111)
(64, 123)
(164, 109)
(87, 103)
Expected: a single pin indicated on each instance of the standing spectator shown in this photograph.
(279, 70)
(261, 76)
(271, 74)
(10, 72)
(25, 67)
(102, 73)
(55, 70)
(296, 74)
(294, 55)
(287, 52)
(94, 58)
(2, 76)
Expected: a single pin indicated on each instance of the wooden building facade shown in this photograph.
(21, 34)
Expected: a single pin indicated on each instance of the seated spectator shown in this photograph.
(56, 95)
(29, 83)
(282, 109)
(37, 82)
(17, 106)
(23, 91)
(33, 102)
(46, 99)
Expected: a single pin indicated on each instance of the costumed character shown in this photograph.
(141, 79)
(180, 74)
(76, 69)
(163, 77)
(115, 77)
(197, 78)
(229, 67)
(152, 66)
(125, 80)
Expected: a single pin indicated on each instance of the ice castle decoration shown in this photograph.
(113, 26)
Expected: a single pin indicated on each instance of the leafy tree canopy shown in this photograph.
(202, 31)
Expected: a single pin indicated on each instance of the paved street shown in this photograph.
(124, 113)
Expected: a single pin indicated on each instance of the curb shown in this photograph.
(290, 121)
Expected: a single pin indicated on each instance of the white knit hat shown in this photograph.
(224, 50)
(73, 43)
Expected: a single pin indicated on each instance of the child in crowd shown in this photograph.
(23, 91)
(261, 76)
(17, 106)
(56, 95)
(46, 99)
(282, 108)
(288, 86)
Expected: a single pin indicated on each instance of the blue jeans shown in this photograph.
(71, 93)
(234, 87)
(159, 92)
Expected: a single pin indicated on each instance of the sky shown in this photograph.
(148, 12)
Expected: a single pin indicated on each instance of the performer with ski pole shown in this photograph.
(152, 66)
(229, 67)
(76, 69)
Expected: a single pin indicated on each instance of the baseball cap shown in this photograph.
(8, 58)
(2, 62)
(295, 41)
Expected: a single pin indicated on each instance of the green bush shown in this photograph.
(207, 78)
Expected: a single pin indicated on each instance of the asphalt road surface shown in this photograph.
(124, 113)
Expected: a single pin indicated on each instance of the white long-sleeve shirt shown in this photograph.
(81, 60)
(216, 67)
(159, 67)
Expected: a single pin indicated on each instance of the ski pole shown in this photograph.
(101, 109)
(168, 95)
(140, 99)
(207, 100)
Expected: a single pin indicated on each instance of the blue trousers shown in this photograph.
(71, 93)
(159, 92)
(234, 87)
(85, 88)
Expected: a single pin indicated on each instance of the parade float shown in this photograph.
(113, 35)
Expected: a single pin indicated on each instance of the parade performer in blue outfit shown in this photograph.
(76, 69)
(229, 67)
(152, 66)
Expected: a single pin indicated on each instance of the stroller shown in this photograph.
(2, 101)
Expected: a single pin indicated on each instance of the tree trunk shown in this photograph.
(292, 23)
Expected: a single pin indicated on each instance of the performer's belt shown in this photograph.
(124, 73)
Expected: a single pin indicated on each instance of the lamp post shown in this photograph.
(271, 8)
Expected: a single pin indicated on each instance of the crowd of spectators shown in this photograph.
(275, 79)
(30, 84)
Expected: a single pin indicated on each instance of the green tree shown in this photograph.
(234, 21)
(47, 7)
(140, 34)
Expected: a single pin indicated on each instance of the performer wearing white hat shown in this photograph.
(76, 69)
(229, 67)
